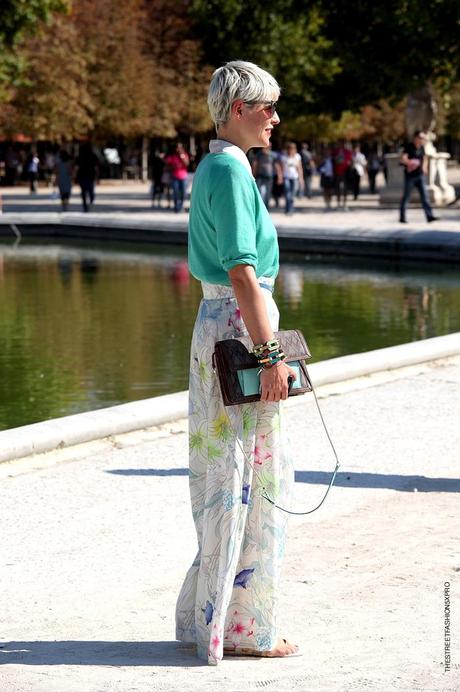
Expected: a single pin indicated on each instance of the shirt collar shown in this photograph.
(217, 146)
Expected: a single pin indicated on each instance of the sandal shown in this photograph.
(239, 651)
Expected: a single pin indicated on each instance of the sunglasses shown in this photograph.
(269, 106)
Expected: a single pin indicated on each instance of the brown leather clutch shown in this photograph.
(232, 357)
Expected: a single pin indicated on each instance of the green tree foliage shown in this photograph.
(286, 38)
(334, 55)
(382, 121)
(142, 67)
(52, 101)
(18, 18)
(387, 48)
(180, 76)
(119, 74)
(110, 68)
(21, 16)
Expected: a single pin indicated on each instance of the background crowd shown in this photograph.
(283, 174)
(288, 173)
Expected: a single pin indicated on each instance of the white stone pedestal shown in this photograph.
(440, 191)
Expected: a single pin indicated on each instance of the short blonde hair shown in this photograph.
(238, 80)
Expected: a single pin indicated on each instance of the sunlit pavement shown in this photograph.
(96, 540)
(133, 198)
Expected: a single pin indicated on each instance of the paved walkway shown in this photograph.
(96, 540)
(124, 210)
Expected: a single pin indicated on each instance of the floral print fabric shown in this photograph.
(229, 595)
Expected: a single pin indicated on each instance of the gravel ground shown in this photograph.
(96, 540)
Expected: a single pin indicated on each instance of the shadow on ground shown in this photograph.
(344, 479)
(99, 653)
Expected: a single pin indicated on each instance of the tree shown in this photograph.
(119, 74)
(17, 19)
(287, 38)
(181, 75)
(52, 102)
(333, 55)
(383, 121)
(388, 48)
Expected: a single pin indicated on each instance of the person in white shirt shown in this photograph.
(326, 171)
(358, 168)
(32, 163)
(292, 174)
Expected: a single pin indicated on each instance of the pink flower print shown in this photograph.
(216, 637)
(235, 320)
(261, 454)
(249, 630)
(237, 628)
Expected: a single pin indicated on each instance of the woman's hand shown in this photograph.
(274, 382)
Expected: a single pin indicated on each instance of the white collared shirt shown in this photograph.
(217, 146)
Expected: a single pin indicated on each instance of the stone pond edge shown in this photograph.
(79, 428)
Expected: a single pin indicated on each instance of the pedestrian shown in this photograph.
(278, 180)
(32, 163)
(49, 167)
(308, 166)
(63, 172)
(227, 604)
(178, 163)
(358, 168)
(11, 166)
(373, 168)
(326, 181)
(263, 169)
(158, 165)
(415, 164)
(292, 174)
(342, 158)
(87, 173)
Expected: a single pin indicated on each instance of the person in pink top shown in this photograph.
(342, 159)
(178, 163)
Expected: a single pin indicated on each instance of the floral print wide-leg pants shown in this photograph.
(229, 596)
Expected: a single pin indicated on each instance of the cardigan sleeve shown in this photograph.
(234, 217)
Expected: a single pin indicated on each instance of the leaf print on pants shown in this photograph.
(230, 592)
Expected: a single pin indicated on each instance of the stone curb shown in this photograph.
(390, 241)
(115, 420)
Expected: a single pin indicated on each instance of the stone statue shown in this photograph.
(421, 111)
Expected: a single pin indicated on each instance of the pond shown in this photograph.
(84, 327)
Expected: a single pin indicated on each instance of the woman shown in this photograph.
(87, 173)
(228, 600)
(293, 175)
(63, 170)
(358, 168)
(263, 169)
(32, 164)
(326, 171)
(178, 163)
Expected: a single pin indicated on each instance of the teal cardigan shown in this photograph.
(229, 223)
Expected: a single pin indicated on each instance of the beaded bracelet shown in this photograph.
(269, 355)
(271, 359)
(275, 364)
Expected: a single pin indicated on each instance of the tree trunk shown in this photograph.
(145, 158)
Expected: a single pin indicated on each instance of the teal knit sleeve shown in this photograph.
(234, 216)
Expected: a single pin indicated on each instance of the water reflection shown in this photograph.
(82, 328)
(65, 266)
(290, 283)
